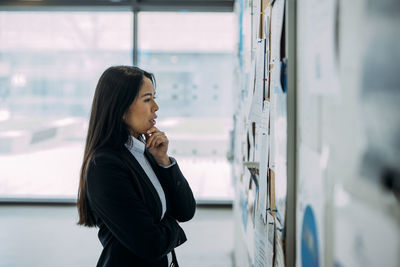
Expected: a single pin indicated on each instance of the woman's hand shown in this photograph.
(157, 144)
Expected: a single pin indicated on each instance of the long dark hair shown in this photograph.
(117, 88)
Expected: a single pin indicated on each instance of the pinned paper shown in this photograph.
(264, 242)
(263, 182)
(255, 110)
(279, 259)
(278, 11)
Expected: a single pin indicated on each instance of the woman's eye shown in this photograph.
(147, 100)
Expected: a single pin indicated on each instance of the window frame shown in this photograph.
(135, 6)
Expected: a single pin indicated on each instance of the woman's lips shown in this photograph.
(153, 122)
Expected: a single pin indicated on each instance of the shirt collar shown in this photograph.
(136, 145)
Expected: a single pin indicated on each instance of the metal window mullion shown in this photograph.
(135, 36)
(291, 131)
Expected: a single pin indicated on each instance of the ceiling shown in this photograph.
(141, 5)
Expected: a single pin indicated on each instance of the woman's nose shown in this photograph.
(155, 107)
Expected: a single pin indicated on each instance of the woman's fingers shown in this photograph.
(152, 130)
(151, 139)
(156, 139)
(159, 141)
(150, 134)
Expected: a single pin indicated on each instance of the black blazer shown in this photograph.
(127, 209)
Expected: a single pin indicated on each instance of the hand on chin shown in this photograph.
(157, 144)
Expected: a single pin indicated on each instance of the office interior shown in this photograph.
(282, 114)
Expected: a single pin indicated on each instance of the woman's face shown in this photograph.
(141, 114)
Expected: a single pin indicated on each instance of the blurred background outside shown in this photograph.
(50, 63)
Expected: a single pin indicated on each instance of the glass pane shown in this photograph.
(49, 67)
(192, 57)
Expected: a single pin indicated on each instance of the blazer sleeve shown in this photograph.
(115, 201)
(180, 199)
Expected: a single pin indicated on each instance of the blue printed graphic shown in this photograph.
(309, 240)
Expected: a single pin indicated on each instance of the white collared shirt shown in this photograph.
(137, 148)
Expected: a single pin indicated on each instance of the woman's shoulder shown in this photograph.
(105, 162)
(106, 155)
(106, 171)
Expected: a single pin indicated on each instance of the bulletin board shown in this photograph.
(346, 149)
(260, 138)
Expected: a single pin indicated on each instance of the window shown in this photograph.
(192, 57)
(50, 63)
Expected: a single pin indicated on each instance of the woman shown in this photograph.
(129, 187)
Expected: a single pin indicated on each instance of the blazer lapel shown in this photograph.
(143, 176)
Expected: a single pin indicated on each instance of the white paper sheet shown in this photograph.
(279, 140)
(257, 141)
(250, 234)
(256, 9)
(272, 134)
(267, 21)
(279, 253)
(262, 133)
(260, 242)
(270, 239)
(263, 169)
(264, 243)
(255, 114)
